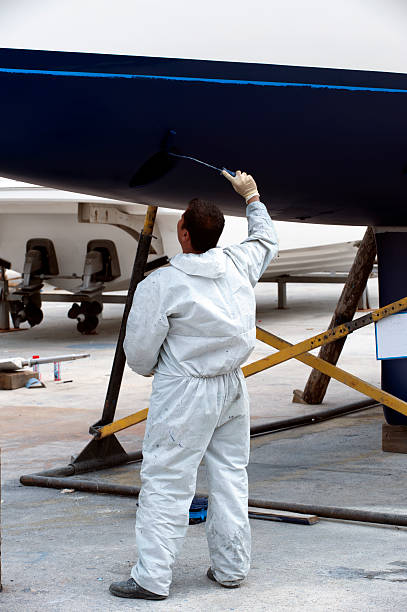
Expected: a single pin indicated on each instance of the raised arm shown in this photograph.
(147, 325)
(261, 246)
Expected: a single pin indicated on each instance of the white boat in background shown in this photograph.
(28, 211)
(320, 260)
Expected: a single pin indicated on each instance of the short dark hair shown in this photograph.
(204, 222)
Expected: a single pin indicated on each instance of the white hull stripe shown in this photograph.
(153, 77)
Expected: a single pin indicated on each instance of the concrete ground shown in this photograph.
(61, 550)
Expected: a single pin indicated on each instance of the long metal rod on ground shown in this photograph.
(330, 512)
(311, 419)
(334, 512)
(60, 478)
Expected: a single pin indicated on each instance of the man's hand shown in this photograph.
(244, 184)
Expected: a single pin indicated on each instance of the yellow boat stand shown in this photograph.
(299, 351)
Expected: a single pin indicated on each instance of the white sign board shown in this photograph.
(391, 337)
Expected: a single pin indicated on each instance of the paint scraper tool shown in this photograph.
(199, 161)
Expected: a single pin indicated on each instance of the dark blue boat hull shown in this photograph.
(325, 146)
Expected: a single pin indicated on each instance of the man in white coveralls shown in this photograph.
(192, 324)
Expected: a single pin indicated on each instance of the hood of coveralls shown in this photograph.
(211, 264)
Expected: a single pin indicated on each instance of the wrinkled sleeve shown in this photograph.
(254, 254)
(147, 325)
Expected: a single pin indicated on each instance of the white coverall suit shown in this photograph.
(193, 324)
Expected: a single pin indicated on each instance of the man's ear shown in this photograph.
(185, 234)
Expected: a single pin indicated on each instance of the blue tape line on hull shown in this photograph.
(199, 80)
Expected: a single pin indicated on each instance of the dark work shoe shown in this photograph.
(231, 585)
(130, 589)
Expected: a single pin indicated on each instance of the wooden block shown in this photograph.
(15, 380)
(394, 438)
(298, 397)
(282, 515)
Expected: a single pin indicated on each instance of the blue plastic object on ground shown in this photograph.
(198, 510)
(34, 383)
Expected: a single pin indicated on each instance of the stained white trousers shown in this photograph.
(190, 418)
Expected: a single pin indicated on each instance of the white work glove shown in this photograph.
(243, 184)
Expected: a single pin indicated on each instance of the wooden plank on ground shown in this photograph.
(267, 514)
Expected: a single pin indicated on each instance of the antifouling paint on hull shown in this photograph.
(325, 145)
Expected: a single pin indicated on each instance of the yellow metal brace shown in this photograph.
(334, 372)
(120, 424)
(326, 337)
(288, 351)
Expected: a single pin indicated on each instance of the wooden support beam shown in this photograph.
(317, 384)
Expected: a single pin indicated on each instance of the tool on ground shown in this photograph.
(16, 363)
(198, 510)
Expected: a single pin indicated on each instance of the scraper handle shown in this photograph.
(229, 171)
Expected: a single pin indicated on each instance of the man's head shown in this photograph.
(200, 227)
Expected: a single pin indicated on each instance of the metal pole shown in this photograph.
(41, 360)
(330, 512)
(312, 418)
(119, 360)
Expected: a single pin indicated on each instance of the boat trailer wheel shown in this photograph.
(86, 315)
(27, 309)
